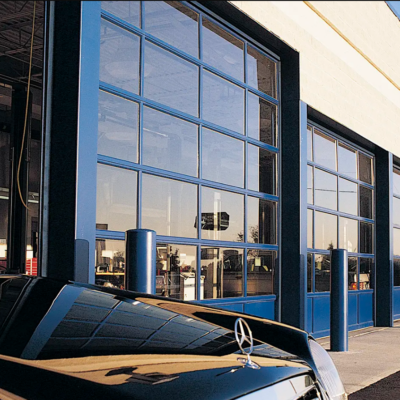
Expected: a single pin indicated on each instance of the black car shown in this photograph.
(68, 340)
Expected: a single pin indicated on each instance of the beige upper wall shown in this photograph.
(335, 78)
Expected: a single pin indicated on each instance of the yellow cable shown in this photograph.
(26, 107)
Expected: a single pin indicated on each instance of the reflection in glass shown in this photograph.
(169, 207)
(366, 273)
(366, 238)
(310, 185)
(129, 11)
(119, 57)
(310, 228)
(348, 234)
(365, 168)
(118, 127)
(309, 143)
(110, 263)
(325, 235)
(261, 170)
(347, 161)
(221, 272)
(222, 215)
(347, 196)
(222, 158)
(396, 272)
(309, 272)
(261, 221)
(396, 181)
(260, 272)
(223, 102)
(262, 120)
(222, 50)
(324, 150)
(322, 273)
(116, 198)
(325, 189)
(174, 23)
(352, 273)
(176, 271)
(365, 202)
(170, 80)
(261, 72)
(396, 242)
(396, 211)
(169, 143)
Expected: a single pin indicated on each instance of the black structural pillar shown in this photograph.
(384, 238)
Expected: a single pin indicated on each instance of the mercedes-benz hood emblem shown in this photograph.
(244, 336)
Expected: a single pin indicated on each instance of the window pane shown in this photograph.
(396, 242)
(261, 172)
(325, 190)
(169, 207)
(221, 215)
(262, 120)
(310, 229)
(116, 198)
(348, 196)
(118, 127)
(365, 202)
(260, 272)
(352, 273)
(176, 271)
(223, 102)
(310, 185)
(325, 235)
(324, 150)
(222, 272)
(110, 263)
(366, 273)
(173, 23)
(222, 158)
(222, 50)
(322, 273)
(169, 143)
(348, 234)
(261, 221)
(396, 181)
(347, 161)
(396, 211)
(365, 168)
(309, 143)
(366, 238)
(309, 272)
(261, 72)
(396, 271)
(129, 11)
(170, 80)
(119, 57)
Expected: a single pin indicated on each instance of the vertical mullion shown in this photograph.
(142, 10)
(139, 200)
(200, 36)
(198, 272)
(245, 272)
(313, 272)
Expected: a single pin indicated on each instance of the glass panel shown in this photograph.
(310, 229)
(347, 161)
(260, 272)
(325, 235)
(222, 50)
(261, 221)
(396, 181)
(365, 202)
(169, 143)
(366, 238)
(169, 207)
(366, 273)
(309, 143)
(222, 158)
(116, 198)
(352, 273)
(324, 150)
(221, 272)
(325, 189)
(176, 271)
(173, 23)
(322, 273)
(170, 80)
(396, 242)
(309, 273)
(396, 272)
(396, 211)
(365, 168)
(261, 72)
(223, 102)
(261, 171)
(3, 234)
(221, 215)
(119, 57)
(348, 196)
(110, 263)
(129, 11)
(348, 234)
(262, 120)
(118, 127)
(310, 185)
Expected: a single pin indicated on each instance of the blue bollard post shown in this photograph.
(140, 261)
(339, 300)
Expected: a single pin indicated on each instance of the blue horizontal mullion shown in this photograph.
(263, 145)
(327, 252)
(340, 214)
(112, 235)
